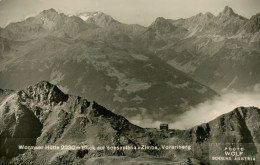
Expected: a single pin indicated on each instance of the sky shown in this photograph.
(142, 12)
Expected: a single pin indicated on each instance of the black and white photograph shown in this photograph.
(129, 82)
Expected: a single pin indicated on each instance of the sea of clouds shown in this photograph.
(206, 111)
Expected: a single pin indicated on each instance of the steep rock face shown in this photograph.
(159, 34)
(18, 125)
(239, 128)
(161, 25)
(226, 23)
(45, 23)
(198, 23)
(26, 121)
(46, 93)
(212, 49)
(253, 25)
(229, 22)
(239, 125)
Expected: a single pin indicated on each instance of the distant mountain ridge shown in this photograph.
(211, 49)
(130, 67)
(98, 58)
(226, 23)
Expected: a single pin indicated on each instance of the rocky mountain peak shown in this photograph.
(228, 22)
(202, 18)
(162, 25)
(228, 10)
(206, 15)
(88, 15)
(227, 13)
(50, 13)
(48, 22)
(160, 21)
(46, 93)
(51, 10)
(99, 18)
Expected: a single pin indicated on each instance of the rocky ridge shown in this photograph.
(211, 49)
(45, 23)
(59, 119)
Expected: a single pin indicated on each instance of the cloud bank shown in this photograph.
(206, 111)
(211, 109)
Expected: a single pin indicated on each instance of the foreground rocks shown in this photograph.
(43, 116)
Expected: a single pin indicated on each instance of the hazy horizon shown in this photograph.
(141, 12)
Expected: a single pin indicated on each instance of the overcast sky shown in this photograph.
(141, 12)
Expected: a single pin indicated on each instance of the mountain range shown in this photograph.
(42, 115)
(101, 63)
(219, 51)
(156, 72)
